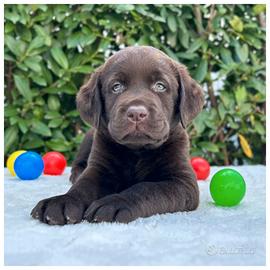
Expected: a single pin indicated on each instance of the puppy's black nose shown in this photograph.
(137, 113)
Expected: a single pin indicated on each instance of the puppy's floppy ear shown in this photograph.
(89, 99)
(190, 93)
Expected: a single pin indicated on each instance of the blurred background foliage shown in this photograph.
(49, 49)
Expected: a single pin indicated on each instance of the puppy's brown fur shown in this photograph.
(135, 161)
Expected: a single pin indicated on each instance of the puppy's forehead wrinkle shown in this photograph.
(134, 69)
(145, 57)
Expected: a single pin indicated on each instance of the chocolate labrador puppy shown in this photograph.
(135, 161)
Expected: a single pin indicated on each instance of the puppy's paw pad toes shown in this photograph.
(35, 215)
(70, 220)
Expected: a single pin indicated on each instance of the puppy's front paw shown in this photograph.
(112, 208)
(59, 210)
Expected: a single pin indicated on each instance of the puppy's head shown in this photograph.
(139, 95)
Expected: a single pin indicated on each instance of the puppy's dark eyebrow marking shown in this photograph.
(160, 75)
(117, 76)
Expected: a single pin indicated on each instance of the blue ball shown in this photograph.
(29, 166)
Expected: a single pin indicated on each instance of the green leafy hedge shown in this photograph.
(49, 49)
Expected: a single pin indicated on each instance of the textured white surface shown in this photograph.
(210, 235)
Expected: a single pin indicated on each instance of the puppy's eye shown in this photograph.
(159, 87)
(118, 88)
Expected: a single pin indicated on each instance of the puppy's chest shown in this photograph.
(139, 170)
(134, 171)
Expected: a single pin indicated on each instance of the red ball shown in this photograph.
(54, 163)
(201, 167)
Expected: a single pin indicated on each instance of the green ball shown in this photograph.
(227, 187)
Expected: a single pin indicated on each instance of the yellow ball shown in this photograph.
(11, 160)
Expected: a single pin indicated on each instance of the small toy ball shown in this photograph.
(54, 163)
(201, 167)
(227, 187)
(28, 166)
(11, 160)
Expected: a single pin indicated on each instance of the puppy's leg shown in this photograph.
(80, 162)
(145, 199)
(96, 181)
(69, 207)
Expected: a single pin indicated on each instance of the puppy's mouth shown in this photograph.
(136, 132)
(136, 136)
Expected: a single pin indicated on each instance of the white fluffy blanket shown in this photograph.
(210, 235)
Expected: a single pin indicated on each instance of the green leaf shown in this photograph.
(142, 10)
(240, 95)
(37, 42)
(9, 27)
(59, 56)
(226, 56)
(222, 111)
(237, 24)
(40, 128)
(184, 39)
(259, 97)
(33, 143)
(73, 113)
(55, 68)
(182, 25)
(58, 145)
(38, 80)
(69, 89)
(260, 128)
(199, 124)
(201, 71)
(17, 47)
(172, 23)
(52, 115)
(85, 69)
(23, 125)
(81, 39)
(11, 135)
(22, 66)
(25, 33)
(124, 7)
(195, 45)
(41, 32)
(253, 41)
(8, 57)
(33, 64)
(245, 109)
(257, 84)
(232, 124)
(13, 16)
(46, 74)
(226, 99)
(13, 120)
(22, 85)
(55, 122)
(10, 111)
(259, 8)
(242, 52)
(208, 146)
(87, 7)
(53, 103)
(65, 124)
(188, 56)
(171, 39)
